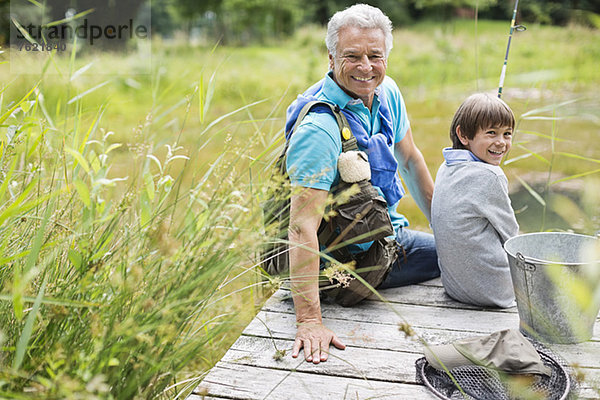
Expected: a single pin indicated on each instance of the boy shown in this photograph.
(471, 214)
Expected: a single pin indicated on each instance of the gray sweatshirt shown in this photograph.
(471, 218)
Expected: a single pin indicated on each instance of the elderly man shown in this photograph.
(359, 40)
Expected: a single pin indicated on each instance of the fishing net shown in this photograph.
(481, 383)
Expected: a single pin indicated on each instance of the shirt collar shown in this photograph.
(455, 156)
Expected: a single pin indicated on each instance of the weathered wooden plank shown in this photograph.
(355, 333)
(233, 381)
(389, 337)
(589, 388)
(388, 366)
(430, 295)
(585, 354)
(416, 315)
(426, 295)
(432, 282)
(589, 393)
(353, 362)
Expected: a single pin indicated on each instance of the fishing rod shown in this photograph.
(513, 27)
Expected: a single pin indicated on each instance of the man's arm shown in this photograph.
(415, 173)
(306, 212)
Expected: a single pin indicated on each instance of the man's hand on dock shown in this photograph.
(315, 338)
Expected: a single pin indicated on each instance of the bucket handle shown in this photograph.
(524, 265)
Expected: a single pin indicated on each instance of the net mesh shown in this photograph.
(483, 383)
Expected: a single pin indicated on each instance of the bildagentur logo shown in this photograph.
(93, 26)
(85, 30)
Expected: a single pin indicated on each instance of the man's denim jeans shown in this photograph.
(417, 263)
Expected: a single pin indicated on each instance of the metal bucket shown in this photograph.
(556, 280)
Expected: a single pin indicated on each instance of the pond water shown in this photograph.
(534, 217)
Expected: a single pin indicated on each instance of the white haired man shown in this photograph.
(359, 40)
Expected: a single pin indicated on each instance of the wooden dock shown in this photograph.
(379, 359)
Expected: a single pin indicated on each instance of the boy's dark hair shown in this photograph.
(480, 111)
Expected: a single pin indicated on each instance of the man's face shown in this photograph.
(360, 64)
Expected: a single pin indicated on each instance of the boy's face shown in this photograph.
(490, 144)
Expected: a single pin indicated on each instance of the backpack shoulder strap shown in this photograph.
(348, 139)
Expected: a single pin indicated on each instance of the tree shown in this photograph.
(243, 21)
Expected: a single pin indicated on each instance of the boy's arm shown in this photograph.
(495, 205)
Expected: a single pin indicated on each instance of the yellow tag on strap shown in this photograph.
(346, 134)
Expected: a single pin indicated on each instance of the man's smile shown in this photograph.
(358, 78)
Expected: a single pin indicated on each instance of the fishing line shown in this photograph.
(513, 27)
(476, 45)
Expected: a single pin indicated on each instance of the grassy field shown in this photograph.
(129, 202)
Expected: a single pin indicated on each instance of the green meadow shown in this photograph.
(130, 202)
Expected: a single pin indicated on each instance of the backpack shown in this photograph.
(363, 218)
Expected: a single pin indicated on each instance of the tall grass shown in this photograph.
(121, 263)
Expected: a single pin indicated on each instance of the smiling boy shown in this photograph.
(471, 213)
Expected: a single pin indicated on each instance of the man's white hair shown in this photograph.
(361, 16)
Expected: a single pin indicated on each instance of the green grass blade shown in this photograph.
(200, 89)
(16, 204)
(268, 149)
(73, 18)
(551, 107)
(210, 90)
(532, 191)
(22, 276)
(92, 128)
(229, 114)
(13, 257)
(542, 118)
(83, 192)
(541, 135)
(41, 102)
(36, 3)
(16, 207)
(23, 31)
(514, 159)
(39, 238)
(79, 96)
(17, 104)
(568, 178)
(53, 301)
(533, 153)
(170, 110)
(577, 156)
(7, 179)
(81, 70)
(78, 159)
(28, 328)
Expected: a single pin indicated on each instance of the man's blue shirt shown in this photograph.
(315, 146)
